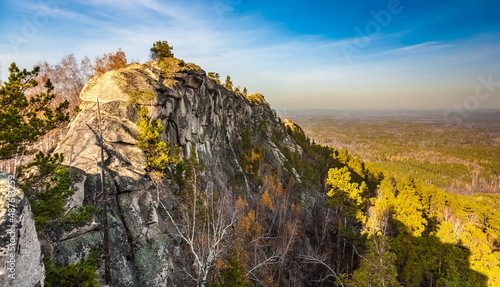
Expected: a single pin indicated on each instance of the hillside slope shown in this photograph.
(168, 178)
(246, 157)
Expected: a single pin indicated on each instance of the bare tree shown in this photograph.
(70, 81)
(202, 219)
(86, 69)
(322, 261)
(205, 229)
(105, 202)
(269, 232)
(68, 78)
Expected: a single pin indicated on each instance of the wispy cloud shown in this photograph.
(116, 4)
(427, 46)
(263, 55)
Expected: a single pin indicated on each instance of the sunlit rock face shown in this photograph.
(197, 115)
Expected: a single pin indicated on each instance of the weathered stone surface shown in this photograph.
(193, 82)
(118, 85)
(20, 254)
(195, 113)
(81, 145)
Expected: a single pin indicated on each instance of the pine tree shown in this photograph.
(232, 274)
(25, 119)
(161, 50)
(377, 266)
(228, 84)
(409, 209)
(214, 76)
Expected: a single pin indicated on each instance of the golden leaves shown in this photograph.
(109, 62)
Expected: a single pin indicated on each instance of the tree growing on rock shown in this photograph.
(214, 76)
(161, 50)
(228, 84)
(160, 156)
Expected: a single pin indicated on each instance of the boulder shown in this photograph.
(20, 251)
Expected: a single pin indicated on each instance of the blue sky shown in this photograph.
(334, 54)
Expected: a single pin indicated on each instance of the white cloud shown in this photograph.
(308, 70)
(427, 46)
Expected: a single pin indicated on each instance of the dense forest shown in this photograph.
(378, 225)
(462, 159)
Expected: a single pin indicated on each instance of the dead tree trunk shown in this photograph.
(104, 194)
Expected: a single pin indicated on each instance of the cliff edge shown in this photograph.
(245, 152)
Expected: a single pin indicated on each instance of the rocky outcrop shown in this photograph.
(20, 253)
(197, 115)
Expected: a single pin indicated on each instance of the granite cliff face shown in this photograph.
(20, 254)
(199, 116)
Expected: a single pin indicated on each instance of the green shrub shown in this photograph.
(232, 274)
(81, 274)
(159, 154)
(80, 217)
(47, 185)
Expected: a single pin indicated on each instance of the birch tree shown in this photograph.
(202, 218)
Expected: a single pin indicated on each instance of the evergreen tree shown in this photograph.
(214, 76)
(409, 209)
(80, 274)
(158, 152)
(25, 119)
(377, 266)
(161, 50)
(47, 185)
(346, 194)
(232, 274)
(228, 84)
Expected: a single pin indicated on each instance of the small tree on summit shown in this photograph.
(214, 76)
(229, 83)
(161, 50)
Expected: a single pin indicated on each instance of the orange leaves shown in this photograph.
(273, 192)
(109, 62)
(250, 226)
(266, 200)
(240, 204)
